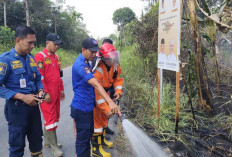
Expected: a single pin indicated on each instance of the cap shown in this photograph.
(55, 38)
(91, 44)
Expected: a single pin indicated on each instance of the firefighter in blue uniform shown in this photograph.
(20, 85)
(83, 101)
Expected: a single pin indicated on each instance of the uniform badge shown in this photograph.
(86, 62)
(3, 68)
(16, 64)
(47, 61)
(40, 65)
(32, 62)
(87, 70)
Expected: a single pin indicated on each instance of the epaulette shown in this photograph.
(4, 54)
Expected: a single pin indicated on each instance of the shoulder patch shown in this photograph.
(40, 65)
(3, 68)
(87, 70)
(16, 64)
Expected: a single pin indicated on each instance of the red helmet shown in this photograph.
(109, 54)
(106, 48)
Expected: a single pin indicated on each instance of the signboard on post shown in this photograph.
(169, 34)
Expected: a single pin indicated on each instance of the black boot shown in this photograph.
(108, 131)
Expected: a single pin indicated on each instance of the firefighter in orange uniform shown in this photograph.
(107, 72)
(48, 63)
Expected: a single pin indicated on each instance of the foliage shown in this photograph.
(42, 15)
(6, 38)
(123, 16)
(144, 33)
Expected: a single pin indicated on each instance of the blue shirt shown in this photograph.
(84, 96)
(14, 68)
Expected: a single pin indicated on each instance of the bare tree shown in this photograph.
(27, 12)
(205, 96)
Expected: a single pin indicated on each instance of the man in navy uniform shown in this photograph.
(83, 101)
(20, 85)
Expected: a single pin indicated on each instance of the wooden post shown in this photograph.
(177, 101)
(158, 95)
(178, 82)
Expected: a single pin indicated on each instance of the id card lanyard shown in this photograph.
(22, 82)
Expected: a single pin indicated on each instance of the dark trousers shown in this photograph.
(23, 120)
(84, 130)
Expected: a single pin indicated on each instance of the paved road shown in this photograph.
(65, 129)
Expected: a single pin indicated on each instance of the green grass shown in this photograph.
(137, 88)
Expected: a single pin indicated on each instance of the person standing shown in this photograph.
(20, 83)
(108, 73)
(83, 101)
(48, 63)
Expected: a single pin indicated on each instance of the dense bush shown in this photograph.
(6, 38)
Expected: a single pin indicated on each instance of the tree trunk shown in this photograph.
(4, 3)
(205, 97)
(217, 74)
(124, 37)
(27, 12)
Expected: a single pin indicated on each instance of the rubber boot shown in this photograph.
(37, 154)
(109, 131)
(52, 140)
(97, 150)
(107, 137)
(105, 143)
(46, 143)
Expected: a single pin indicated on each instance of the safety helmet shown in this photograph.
(108, 51)
(109, 54)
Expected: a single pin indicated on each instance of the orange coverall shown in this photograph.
(49, 66)
(105, 78)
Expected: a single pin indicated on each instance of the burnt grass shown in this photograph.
(212, 139)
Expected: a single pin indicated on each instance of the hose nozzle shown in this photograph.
(122, 117)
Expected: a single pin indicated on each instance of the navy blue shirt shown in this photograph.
(14, 67)
(84, 96)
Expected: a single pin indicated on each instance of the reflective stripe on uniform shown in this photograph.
(115, 67)
(42, 53)
(51, 126)
(118, 87)
(100, 70)
(99, 130)
(100, 101)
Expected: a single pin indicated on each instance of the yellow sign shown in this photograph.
(169, 34)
